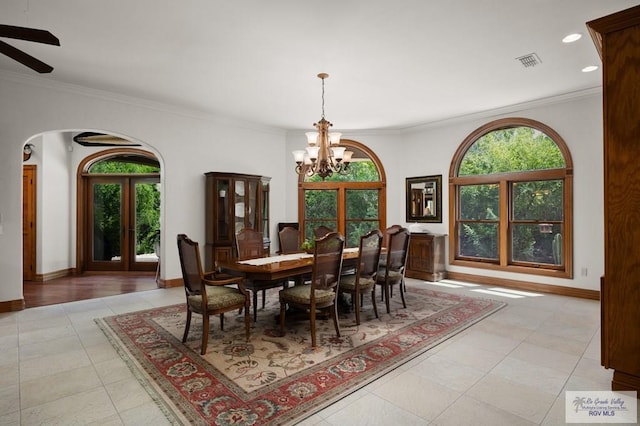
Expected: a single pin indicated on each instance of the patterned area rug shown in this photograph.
(273, 379)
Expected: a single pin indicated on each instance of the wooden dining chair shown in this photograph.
(392, 273)
(250, 245)
(364, 278)
(207, 294)
(321, 293)
(385, 241)
(321, 231)
(289, 239)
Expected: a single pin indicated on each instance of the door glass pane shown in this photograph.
(107, 204)
(147, 221)
(321, 208)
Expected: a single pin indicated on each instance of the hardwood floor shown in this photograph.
(84, 287)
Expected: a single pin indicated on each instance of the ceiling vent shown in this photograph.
(530, 60)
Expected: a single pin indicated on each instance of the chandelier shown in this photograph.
(323, 156)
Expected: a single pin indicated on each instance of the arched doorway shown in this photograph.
(119, 211)
(59, 214)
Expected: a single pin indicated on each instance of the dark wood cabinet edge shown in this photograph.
(625, 382)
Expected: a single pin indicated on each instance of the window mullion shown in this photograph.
(504, 248)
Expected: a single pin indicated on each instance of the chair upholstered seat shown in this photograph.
(301, 294)
(394, 276)
(348, 283)
(217, 298)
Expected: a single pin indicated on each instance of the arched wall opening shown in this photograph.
(50, 202)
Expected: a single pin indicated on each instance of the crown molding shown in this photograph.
(47, 83)
(508, 109)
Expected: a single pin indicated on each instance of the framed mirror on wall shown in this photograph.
(424, 199)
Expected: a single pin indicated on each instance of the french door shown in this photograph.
(118, 223)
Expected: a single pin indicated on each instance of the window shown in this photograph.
(510, 200)
(351, 204)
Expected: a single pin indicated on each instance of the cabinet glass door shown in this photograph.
(265, 209)
(252, 205)
(222, 206)
(239, 207)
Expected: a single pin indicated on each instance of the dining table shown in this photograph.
(282, 266)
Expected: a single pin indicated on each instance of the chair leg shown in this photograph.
(264, 297)
(334, 315)
(247, 322)
(255, 305)
(373, 301)
(186, 326)
(402, 295)
(387, 297)
(205, 333)
(312, 317)
(358, 297)
(283, 308)
(222, 322)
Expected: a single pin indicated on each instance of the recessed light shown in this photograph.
(590, 68)
(572, 37)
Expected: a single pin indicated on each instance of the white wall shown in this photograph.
(54, 209)
(187, 144)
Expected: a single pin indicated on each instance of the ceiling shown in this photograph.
(393, 64)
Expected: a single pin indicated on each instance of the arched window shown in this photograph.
(351, 204)
(510, 189)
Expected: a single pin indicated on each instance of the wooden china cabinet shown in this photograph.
(233, 201)
(426, 257)
(617, 39)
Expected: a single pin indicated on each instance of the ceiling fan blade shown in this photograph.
(28, 34)
(25, 59)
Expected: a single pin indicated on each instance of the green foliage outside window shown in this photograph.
(361, 205)
(509, 150)
(107, 214)
(359, 171)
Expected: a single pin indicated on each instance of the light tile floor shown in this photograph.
(57, 368)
